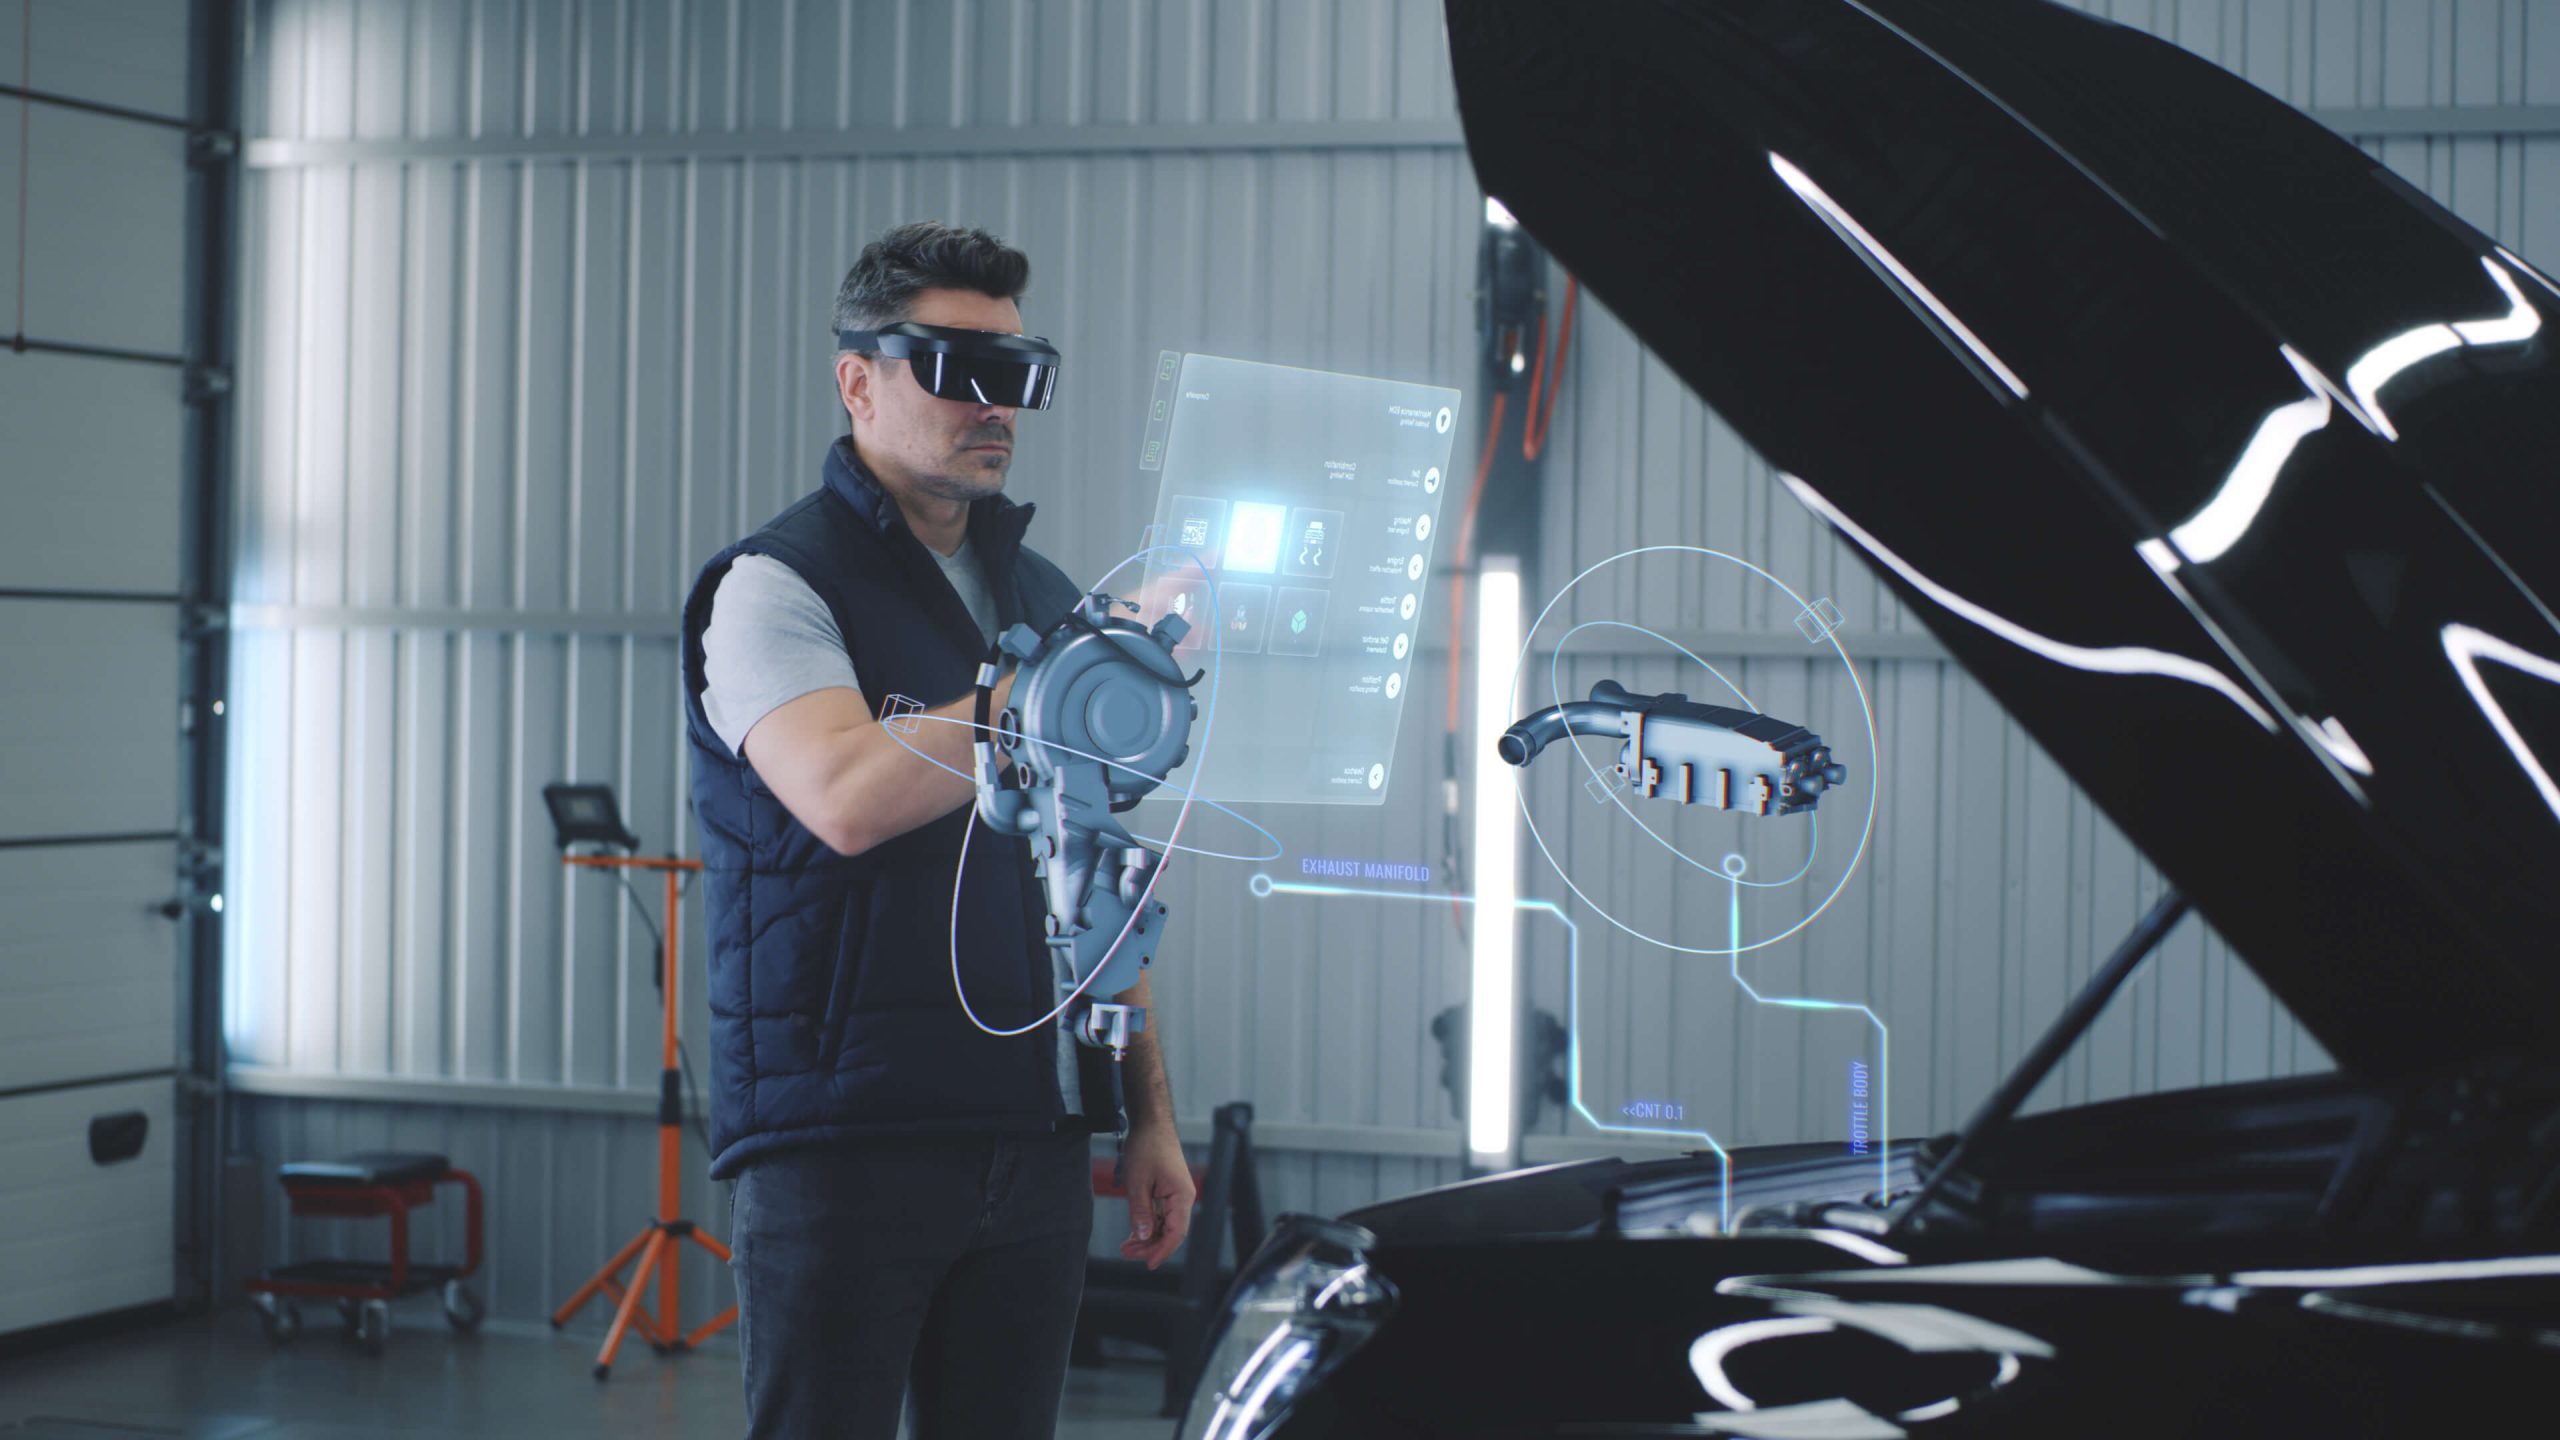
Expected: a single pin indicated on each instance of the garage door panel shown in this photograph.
(78, 1234)
(95, 466)
(122, 497)
(88, 718)
(105, 221)
(88, 968)
(129, 53)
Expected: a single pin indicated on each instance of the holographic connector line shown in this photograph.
(1733, 871)
(1265, 886)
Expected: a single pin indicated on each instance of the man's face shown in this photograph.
(955, 449)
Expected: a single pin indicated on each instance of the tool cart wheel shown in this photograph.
(281, 1319)
(373, 1326)
(462, 1309)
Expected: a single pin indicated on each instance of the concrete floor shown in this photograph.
(219, 1379)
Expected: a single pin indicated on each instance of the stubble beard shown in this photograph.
(978, 475)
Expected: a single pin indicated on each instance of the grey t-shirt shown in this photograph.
(771, 640)
(969, 580)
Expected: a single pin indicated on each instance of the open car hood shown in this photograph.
(2221, 457)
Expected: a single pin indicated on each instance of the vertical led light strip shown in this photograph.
(1493, 996)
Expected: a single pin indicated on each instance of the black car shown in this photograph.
(2230, 465)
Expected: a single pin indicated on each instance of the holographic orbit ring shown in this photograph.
(1276, 851)
(1866, 829)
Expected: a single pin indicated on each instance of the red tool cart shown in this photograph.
(358, 1187)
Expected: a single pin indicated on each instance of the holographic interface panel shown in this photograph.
(1311, 502)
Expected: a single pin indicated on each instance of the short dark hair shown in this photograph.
(881, 287)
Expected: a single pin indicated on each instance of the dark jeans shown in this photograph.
(952, 1263)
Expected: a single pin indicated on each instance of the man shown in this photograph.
(914, 1193)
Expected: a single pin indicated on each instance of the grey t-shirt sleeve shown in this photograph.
(771, 640)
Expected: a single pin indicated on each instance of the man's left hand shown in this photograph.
(1161, 1193)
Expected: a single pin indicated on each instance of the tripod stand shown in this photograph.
(656, 1246)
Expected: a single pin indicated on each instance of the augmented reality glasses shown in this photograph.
(977, 366)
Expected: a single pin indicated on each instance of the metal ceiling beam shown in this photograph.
(2361, 123)
(966, 141)
(2386, 122)
(1782, 643)
(275, 1082)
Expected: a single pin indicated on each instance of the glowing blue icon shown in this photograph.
(1298, 623)
(1253, 537)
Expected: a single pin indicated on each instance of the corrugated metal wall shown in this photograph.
(538, 299)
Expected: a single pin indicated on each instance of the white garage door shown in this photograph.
(93, 266)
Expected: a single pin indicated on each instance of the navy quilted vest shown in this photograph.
(832, 1012)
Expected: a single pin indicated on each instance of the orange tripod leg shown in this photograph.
(603, 1278)
(642, 1319)
(655, 1247)
(658, 1250)
(725, 1318)
(713, 1326)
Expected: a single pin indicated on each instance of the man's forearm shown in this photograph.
(1143, 1086)
(1150, 1097)
(855, 783)
(887, 783)
(1152, 1167)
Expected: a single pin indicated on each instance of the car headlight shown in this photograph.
(1305, 1300)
